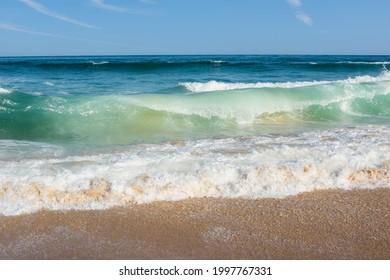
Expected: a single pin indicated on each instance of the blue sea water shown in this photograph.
(146, 128)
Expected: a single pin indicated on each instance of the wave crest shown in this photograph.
(220, 86)
(213, 85)
(4, 91)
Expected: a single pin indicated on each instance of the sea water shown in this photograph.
(96, 132)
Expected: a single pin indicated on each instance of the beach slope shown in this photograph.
(331, 224)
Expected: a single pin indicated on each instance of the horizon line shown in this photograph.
(191, 54)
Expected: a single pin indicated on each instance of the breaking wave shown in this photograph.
(216, 108)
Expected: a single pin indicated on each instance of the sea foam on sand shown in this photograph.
(331, 224)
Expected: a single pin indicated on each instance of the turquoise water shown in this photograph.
(125, 100)
(118, 119)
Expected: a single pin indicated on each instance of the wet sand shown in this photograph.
(330, 224)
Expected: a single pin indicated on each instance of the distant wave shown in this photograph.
(351, 65)
(365, 62)
(341, 63)
(47, 83)
(99, 62)
(127, 65)
(145, 64)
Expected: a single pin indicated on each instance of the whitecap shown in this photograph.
(47, 83)
(4, 91)
(365, 62)
(99, 62)
(221, 86)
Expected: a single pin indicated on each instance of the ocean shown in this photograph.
(94, 132)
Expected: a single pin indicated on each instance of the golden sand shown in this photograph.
(330, 224)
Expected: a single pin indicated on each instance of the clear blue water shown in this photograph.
(126, 75)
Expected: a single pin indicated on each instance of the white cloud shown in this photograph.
(306, 19)
(103, 5)
(295, 3)
(11, 27)
(42, 9)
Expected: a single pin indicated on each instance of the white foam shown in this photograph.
(221, 86)
(365, 62)
(47, 83)
(4, 91)
(100, 62)
(252, 167)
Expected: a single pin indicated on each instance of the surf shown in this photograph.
(96, 132)
(248, 167)
(207, 109)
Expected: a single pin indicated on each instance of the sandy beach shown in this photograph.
(331, 224)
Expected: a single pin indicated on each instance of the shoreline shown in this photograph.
(323, 224)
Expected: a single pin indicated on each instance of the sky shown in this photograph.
(138, 27)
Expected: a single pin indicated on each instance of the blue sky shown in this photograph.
(95, 27)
